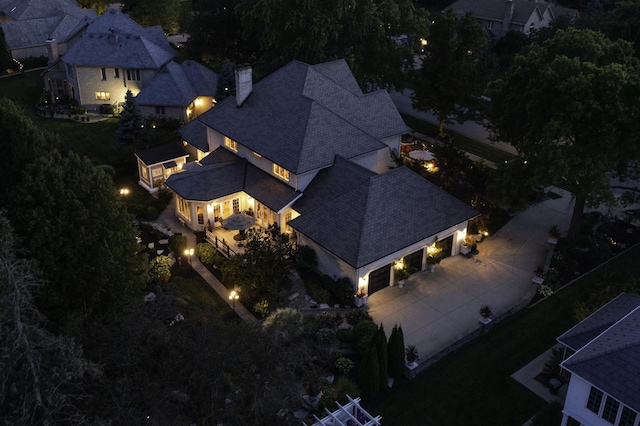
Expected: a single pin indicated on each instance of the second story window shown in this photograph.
(116, 72)
(281, 172)
(231, 144)
(133, 75)
(160, 110)
(103, 73)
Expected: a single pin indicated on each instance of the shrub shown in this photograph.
(161, 269)
(325, 320)
(344, 365)
(357, 315)
(364, 331)
(306, 260)
(207, 254)
(325, 335)
(314, 289)
(177, 244)
(285, 325)
(345, 335)
(343, 387)
(343, 291)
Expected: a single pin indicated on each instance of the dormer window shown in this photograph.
(281, 172)
(231, 144)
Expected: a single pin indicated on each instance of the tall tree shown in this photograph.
(396, 352)
(41, 373)
(131, 124)
(147, 13)
(67, 211)
(453, 75)
(569, 106)
(226, 84)
(21, 142)
(271, 33)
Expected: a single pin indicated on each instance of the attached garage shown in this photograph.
(413, 261)
(379, 279)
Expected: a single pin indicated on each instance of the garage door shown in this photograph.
(379, 279)
(413, 261)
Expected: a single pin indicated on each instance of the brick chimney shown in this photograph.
(244, 82)
(508, 15)
(52, 50)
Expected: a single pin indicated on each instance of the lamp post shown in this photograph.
(189, 253)
(233, 296)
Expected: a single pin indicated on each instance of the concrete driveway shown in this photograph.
(437, 309)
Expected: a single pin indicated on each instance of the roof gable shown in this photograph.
(378, 215)
(195, 133)
(610, 361)
(494, 10)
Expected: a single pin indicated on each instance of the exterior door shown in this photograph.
(379, 279)
(413, 261)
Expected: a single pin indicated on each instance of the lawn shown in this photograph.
(474, 386)
(464, 143)
(23, 89)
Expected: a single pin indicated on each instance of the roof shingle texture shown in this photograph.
(301, 116)
(115, 40)
(611, 362)
(160, 154)
(592, 326)
(376, 215)
(223, 173)
(195, 133)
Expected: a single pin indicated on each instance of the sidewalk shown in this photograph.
(168, 219)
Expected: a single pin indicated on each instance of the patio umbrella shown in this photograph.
(238, 222)
(421, 155)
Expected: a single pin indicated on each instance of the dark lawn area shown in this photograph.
(464, 143)
(474, 385)
(23, 89)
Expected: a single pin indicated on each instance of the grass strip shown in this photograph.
(483, 150)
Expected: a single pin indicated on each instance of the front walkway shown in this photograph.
(438, 309)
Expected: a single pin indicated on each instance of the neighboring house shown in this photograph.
(181, 91)
(28, 24)
(498, 17)
(306, 151)
(604, 388)
(105, 58)
(156, 164)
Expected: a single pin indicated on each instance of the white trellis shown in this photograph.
(350, 414)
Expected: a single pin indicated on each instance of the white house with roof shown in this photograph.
(28, 24)
(498, 17)
(105, 58)
(306, 150)
(604, 389)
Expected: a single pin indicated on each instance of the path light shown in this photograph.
(233, 296)
(189, 253)
(124, 191)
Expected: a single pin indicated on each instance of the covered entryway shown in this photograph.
(379, 279)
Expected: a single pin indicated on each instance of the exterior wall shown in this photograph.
(193, 152)
(328, 263)
(88, 81)
(201, 105)
(26, 52)
(576, 402)
(211, 208)
(178, 113)
(151, 177)
(536, 21)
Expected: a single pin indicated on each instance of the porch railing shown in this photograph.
(220, 244)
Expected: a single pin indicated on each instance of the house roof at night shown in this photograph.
(610, 360)
(195, 133)
(115, 40)
(160, 154)
(223, 173)
(377, 215)
(319, 108)
(494, 10)
(179, 85)
(595, 324)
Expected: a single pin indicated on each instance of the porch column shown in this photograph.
(425, 254)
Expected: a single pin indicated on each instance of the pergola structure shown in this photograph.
(350, 414)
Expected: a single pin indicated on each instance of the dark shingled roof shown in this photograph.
(160, 154)
(22, 10)
(115, 40)
(195, 133)
(223, 173)
(376, 215)
(493, 10)
(179, 85)
(302, 115)
(592, 326)
(611, 361)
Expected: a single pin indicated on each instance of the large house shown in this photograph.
(498, 17)
(112, 54)
(28, 24)
(306, 151)
(604, 389)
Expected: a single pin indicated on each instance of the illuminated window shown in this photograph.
(281, 172)
(145, 173)
(183, 207)
(594, 401)
(200, 211)
(103, 96)
(231, 144)
(287, 218)
(236, 205)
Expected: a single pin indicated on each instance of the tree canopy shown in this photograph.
(269, 34)
(453, 76)
(569, 106)
(147, 13)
